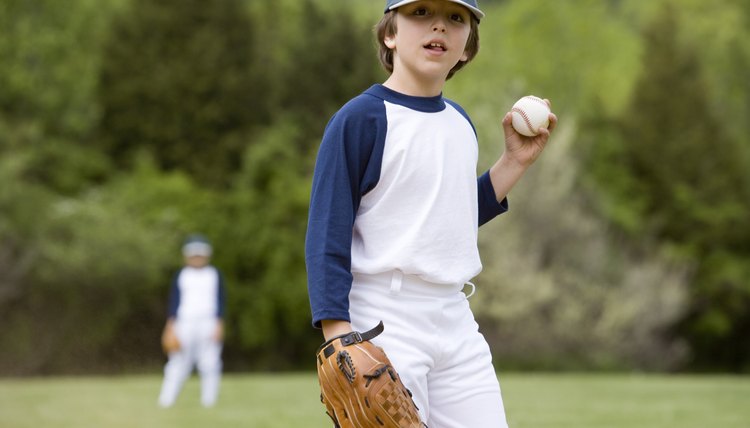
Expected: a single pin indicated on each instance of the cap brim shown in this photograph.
(196, 249)
(478, 13)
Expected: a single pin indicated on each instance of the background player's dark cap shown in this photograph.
(470, 4)
(196, 245)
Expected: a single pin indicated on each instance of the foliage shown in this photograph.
(673, 172)
(178, 78)
(125, 125)
(582, 57)
(24, 213)
(265, 210)
(310, 95)
(207, 138)
(562, 278)
(90, 277)
(260, 247)
(47, 49)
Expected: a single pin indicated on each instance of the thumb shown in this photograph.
(508, 124)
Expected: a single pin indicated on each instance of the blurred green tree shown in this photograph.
(180, 79)
(212, 113)
(329, 67)
(93, 297)
(208, 137)
(265, 211)
(48, 53)
(262, 248)
(674, 173)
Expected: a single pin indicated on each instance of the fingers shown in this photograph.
(552, 122)
(552, 117)
(546, 132)
(507, 119)
(508, 124)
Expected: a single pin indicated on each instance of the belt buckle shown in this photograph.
(351, 338)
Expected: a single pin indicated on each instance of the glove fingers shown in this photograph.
(334, 391)
(361, 389)
(348, 412)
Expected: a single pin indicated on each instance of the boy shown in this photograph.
(395, 208)
(195, 316)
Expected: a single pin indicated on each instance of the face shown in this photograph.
(430, 39)
(196, 261)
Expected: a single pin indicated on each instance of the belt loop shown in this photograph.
(473, 288)
(396, 281)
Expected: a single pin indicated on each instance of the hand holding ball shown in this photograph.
(529, 114)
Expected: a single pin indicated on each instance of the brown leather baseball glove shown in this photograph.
(360, 388)
(169, 341)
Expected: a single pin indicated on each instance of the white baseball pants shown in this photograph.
(198, 348)
(433, 342)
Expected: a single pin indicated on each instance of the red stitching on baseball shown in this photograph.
(537, 99)
(525, 118)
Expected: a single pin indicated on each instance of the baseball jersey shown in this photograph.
(395, 188)
(197, 293)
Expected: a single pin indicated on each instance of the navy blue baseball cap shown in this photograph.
(470, 4)
(197, 245)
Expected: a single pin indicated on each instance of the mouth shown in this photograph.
(435, 46)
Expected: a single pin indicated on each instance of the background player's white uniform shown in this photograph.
(197, 302)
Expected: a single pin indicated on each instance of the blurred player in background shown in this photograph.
(194, 333)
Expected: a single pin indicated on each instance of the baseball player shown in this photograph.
(194, 332)
(394, 215)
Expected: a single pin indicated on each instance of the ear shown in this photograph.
(464, 57)
(390, 41)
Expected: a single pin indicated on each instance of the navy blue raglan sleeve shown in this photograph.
(347, 167)
(174, 296)
(489, 207)
(221, 297)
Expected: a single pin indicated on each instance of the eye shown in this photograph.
(457, 17)
(420, 11)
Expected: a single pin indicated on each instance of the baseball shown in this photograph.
(529, 114)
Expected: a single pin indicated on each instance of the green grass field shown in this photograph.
(291, 400)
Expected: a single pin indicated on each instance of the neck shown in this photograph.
(413, 86)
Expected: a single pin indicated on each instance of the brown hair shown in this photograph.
(387, 28)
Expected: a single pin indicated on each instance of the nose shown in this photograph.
(439, 25)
